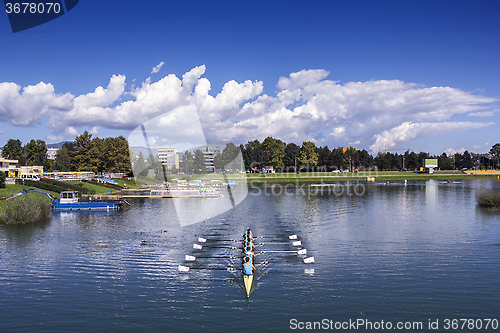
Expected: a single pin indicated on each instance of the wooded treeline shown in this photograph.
(283, 157)
(83, 154)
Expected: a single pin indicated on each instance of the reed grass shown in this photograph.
(488, 198)
(24, 209)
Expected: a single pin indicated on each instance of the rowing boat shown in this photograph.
(248, 279)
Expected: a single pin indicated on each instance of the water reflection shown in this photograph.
(396, 252)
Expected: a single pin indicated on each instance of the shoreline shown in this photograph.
(363, 178)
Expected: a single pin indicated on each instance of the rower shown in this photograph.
(248, 245)
(248, 252)
(248, 266)
(248, 234)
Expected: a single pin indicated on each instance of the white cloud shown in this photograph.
(28, 107)
(490, 113)
(486, 145)
(451, 151)
(407, 131)
(94, 131)
(307, 106)
(157, 68)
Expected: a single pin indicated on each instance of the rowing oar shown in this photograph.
(187, 269)
(296, 243)
(199, 247)
(204, 240)
(192, 258)
(309, 260)
(303, 251)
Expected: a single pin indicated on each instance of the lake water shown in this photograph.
(411, 254)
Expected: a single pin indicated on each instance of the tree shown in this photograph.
(323, 157)
(80, 154)
(187, 162)
(12, 150)
(116, 155)
(227, 160)
(62, 161)
(292, 152)
(140, 166)
(467, 161)
(274, 152)
(36, 153)
(154, 163)
(364, 159)
(253, 154)
(458, 161)
(199, 165)
(495, 152)
(308, 155)
(2, 179)
(445, 162)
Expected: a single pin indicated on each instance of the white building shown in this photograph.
(51, 153)
(209, 154)
(9, 167)
(168, 157)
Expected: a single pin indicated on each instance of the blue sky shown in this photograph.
(380, 75)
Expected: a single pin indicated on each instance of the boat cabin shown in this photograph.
(68, 197)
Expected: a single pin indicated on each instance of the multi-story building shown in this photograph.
(9, 167)
(209, 154)
(168, 157)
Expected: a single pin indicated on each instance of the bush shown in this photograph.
(54, 186)
(24, 209)
(487, 198)
(2, 179)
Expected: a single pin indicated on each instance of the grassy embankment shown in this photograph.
(381, 176)
(28, 208)
(35, 207)
(316, 177)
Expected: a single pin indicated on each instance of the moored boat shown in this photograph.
(68, 200)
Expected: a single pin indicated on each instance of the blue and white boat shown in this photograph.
(68, 200)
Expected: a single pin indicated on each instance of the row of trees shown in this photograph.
(281, 156)
(83, 154)
(112, 155)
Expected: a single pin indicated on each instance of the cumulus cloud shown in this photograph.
(157, 68)
(451, 151)
(407, 131)
(28, 107)
(307, 107)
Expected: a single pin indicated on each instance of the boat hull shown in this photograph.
(247, 281)
(99, 205)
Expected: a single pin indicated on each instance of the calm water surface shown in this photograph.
(396, 253)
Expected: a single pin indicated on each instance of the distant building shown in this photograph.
(51, 153)
(344, 149)
(168, 157)
(9, 167)
(209, 154)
